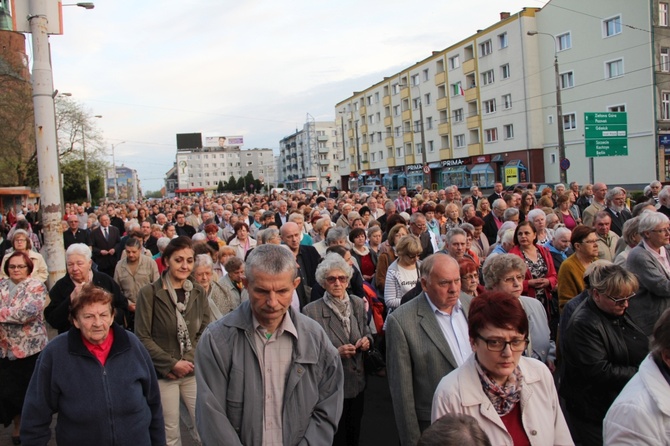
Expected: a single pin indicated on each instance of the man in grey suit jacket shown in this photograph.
(653, 296)
(426, 339)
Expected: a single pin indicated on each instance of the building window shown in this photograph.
(569, 121)
(417, 126)
(419, 148)
(617, 108)
(504, 71)
(415, 79)
(614, 69)
(459, 141)
(612, 27)
(458, 115)
(396, 110)
(370, 100)
(457, 90)
(490, 106)
(502, 40)
(395, 89)
(665, 106)
(487, 77)
(398, 152)
(454, 62)
(398, 131)
(416, 102)
(485, 48)
(507, 101)
(564, 42)
(426, 98)
(429, 122)
(425, 75)
(374, 157)
(508, 130)
(662, 14)
(491, 134)
(567, 80)
(665, 59)
(431, 147)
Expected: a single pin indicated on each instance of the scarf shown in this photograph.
(180, 308)
(341, 308)
(504, 397)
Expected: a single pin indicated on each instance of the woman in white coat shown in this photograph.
(641, 413)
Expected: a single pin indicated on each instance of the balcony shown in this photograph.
(442, 103)
(324, 162)
(475, 149)
(353, 168)
(443, 129)
(408, 137)
(404, 93)
(388, 141)
(469, 66)
(387, 100)
(388, 121)
(390, 162)
(363, 111)
(352, 151)
(407, 115)
(365, 165)
(323, 150)
(474, 121)
(363, 129)
(365, 148)
(409, 159)
(441, 78)
(322, 138)
(470, 94)
(350, 133)
(445, 154)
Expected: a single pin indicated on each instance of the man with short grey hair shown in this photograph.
(615, 199)
(265, 373)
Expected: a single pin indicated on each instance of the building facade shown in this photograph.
(126, 185)
(309, 158)
(201, 170)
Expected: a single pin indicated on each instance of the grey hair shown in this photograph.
(270, 259)
(22, 232)
(559, 184)
(649, 221)
(561, 231)
(389, 205)
(613, 193)
(655, 183)
(373, 229)
(497, 266)
(78, 249)
(455, 231)
(611, 279)
(509, 213)
(203, 260)
(267, 234)
(466, 207)
(296, 216)
(631, 228)
(330, 262)
(198, 237)
(162, 243)
(496, 203)
(507, 236)
(534, 213)
(335, 235)
(664, 196)
(416, 216)
(454, 428)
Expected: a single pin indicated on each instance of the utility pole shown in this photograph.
(426, 176)
(46, 142)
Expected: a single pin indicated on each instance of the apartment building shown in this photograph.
(463, 115)
(309, 158)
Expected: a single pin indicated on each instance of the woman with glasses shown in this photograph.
(469, 277)
(403, 273)
(512, 397)
(344, 319)
(650, 262)
(584, 241)
(602, 350)
(506, 273)
(21, 243)
(23, 335)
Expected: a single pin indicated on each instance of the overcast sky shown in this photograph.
(155, 68)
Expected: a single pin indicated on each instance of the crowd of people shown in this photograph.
(255, 319)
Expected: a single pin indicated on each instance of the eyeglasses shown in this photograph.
(512, 279)
(618, 302)
(661, 231)
(498, 345)
(333, 279)
(473, 276)
(17, 266)
(592, 242)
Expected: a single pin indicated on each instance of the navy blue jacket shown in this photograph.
(115, 404)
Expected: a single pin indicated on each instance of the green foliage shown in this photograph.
(220, 188)
(74, 181)
(154, 194)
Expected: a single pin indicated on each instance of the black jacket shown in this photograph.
(618, 220)
(598, 360)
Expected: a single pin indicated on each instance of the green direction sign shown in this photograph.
(606, 134)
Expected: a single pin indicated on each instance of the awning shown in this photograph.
(481, 169)
(455, 169)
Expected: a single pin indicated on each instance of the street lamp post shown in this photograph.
(563, 173)
(83, 147)
(424, 160)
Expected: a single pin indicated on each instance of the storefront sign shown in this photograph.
(413, 167)
(481, 159)
(511, 175)
(455, 162)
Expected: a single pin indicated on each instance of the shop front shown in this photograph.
(414, 175)
(455, 172)
(395, 178)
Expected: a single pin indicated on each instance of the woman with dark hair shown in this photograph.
(23, 335)
(365, 257)
(527, 204)
(540, 278)
(171, 315)
(388, 256)
(241, 242)
(480, 243)
(98, 378)
(602, 350)
(565, 213)
(511, 396)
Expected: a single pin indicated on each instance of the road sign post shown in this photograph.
(606, 134)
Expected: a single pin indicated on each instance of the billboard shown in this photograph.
(189, 141)
(224, 141)
(182, 171)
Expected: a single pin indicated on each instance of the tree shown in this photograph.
(74, 184)
(220, 187)
(231, 184)
(17, 130)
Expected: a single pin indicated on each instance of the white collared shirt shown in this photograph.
(455, 330)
